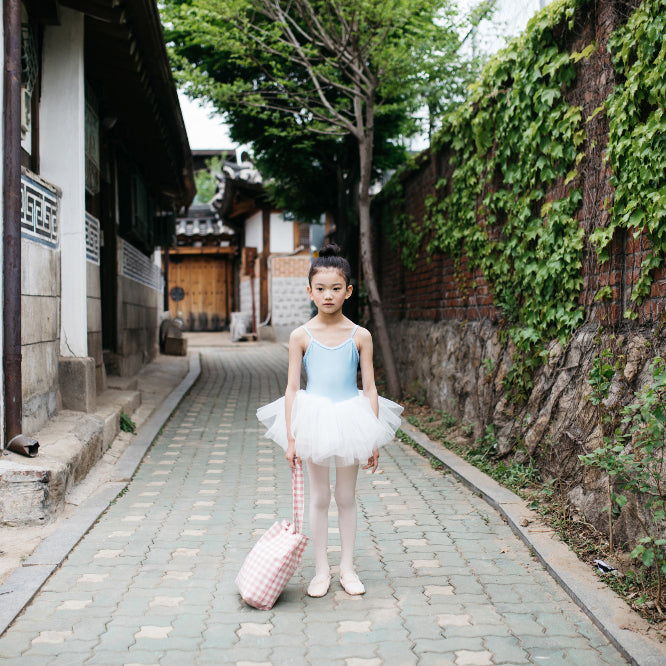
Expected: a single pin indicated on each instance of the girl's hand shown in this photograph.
(291, 454)
(373, 460)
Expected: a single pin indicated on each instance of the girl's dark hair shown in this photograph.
(329, 257)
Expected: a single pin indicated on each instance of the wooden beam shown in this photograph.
(45, 11)
(242, 207)
(266, 230)
(202, 250)
(101, 11)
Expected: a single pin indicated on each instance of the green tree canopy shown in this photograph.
(317, 74)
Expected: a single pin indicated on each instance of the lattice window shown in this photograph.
(138, 267)
(39, 211)
(93, 236)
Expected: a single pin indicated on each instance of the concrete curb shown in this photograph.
(607, 610)
(127, 464)
(22, 585)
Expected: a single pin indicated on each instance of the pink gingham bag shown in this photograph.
(274, 558)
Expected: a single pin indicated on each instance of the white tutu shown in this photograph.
(332, 433)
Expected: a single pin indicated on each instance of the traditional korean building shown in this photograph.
(275, 255)
(200, 270)
(104, 167)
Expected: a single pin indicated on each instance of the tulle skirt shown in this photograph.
(332, 433)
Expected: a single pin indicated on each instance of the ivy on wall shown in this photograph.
(512, 190)
(636, 148)
(510, 145)
(514, 141)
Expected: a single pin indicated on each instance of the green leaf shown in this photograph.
(585, 53)
(648, 557)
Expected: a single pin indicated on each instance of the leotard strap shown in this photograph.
(308, 332)
(353, 332)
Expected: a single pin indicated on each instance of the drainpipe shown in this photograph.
(11, 190)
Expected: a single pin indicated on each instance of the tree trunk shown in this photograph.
(365, 232)
(346, 227)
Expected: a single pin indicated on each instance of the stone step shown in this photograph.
(110, 404)
(121, 383)
(34, 490)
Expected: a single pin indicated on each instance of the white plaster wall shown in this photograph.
(62, 158)
(282, 234)
(254, 236)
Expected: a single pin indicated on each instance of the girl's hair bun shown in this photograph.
(330, 250)
(329, 257)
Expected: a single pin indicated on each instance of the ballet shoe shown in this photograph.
(351, 584)
(319, 585)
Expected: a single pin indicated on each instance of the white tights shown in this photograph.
(345, 499)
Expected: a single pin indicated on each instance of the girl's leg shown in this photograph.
(345, 498)
(320, 500)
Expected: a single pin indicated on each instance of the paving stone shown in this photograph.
(473, 658)
(477, 630)
(446, 645)
(429, 659)
(14, 643)
(153, 581)
(507, 650)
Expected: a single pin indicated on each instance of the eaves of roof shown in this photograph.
(239, 200)
(126, 57)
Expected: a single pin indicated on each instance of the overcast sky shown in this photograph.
(204, 128)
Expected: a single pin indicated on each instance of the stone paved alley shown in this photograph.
(153, 581)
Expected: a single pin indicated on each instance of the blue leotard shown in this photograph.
(332, 422)
(332, 371)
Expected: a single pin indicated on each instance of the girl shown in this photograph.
(331, 423)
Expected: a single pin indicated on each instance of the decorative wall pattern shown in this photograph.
(291, 303)
(137, 266)
(39, 211)
(92, 239)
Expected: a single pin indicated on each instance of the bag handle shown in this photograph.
(298, 492)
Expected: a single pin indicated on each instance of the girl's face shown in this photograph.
(329, 290)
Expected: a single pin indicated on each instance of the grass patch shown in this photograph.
(126, 423)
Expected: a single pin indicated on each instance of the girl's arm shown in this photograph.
(293, 385)
(364, 345)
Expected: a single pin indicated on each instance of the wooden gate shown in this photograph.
(206, 284)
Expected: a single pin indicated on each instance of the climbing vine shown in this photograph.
(515, 140)
(632, 455)
(636, 150)
(513, 154)
(403, 232)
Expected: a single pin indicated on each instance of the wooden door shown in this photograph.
(206, 285)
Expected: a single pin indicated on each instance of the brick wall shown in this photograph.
(296, 266)
(436, 291)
